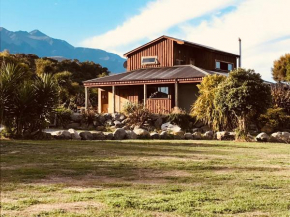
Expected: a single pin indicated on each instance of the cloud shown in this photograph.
(262, 25)
(153, 20)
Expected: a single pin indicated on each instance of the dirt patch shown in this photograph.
(77, 207)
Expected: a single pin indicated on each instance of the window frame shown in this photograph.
(149, 63)
(229, 63)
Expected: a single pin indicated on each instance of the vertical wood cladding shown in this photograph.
(163, 49)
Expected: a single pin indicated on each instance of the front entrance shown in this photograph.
(104, 101)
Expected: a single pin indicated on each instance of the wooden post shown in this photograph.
(99, 100)
(86, 98)
(145, 94)
(114, 102)
(176, 93)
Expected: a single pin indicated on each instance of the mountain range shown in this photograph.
(36, 42)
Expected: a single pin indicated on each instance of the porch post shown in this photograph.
(86, 98)
(145, 94)
(99, 100)
(176, 93)
(113, 90)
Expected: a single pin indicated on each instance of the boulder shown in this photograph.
(141, 133)
(195, 130)
(108, 135)
(61, 134)
(154, 135)
(163, 135)
(101, 119)
(208, 135)
(86, 135)
(99, 136)
(170, 127)
(197, 135)
(225, 135)
(74, 134)
(107, 116)
(280, 137)
(158, 123)
(130, 134)
(117, 124)
(204, 129)
(262, 137)
(188, 136)
(116, 116)
(100, 128)
(76, 117)
(119, 134)
(110, 122)
(122, 117)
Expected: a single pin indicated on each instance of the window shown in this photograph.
(223, 66)
(149, 60)
(157, 92)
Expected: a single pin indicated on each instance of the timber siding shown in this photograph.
(163, 49)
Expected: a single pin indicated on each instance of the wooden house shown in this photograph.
(162, 74)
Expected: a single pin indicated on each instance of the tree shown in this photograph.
(281, 69)
(204, 108)
(245, 95)
(281, 96)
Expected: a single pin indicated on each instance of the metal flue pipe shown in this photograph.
(240, 53)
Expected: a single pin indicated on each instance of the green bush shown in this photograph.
(89, 117)
(181, 119)
(137, 113)
(63, 116)
(281, 96)
(274, 119)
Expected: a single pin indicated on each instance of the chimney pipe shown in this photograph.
(240, 53)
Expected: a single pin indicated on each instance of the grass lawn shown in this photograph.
(144, 178)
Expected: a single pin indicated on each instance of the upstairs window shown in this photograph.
(149, 60)
(223, 66)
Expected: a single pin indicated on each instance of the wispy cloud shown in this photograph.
(153, 20)
(262, 25)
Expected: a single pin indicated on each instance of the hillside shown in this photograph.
(36, 42)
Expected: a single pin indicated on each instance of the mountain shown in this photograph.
(36, 42)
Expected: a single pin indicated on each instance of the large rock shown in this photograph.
(170, 127)
(101, 119)
(208, 135)
(225, 135)
(74, 134)
(154, 135)
(110, 122)
(141, 133)
(76, 117)
(122, 117)
(188, 136)
(99, 136)
(116, 116)
(119, 134)
(130, 134)
(62, 134)
(86, 135)
(163, 135)
(197, 135)
(195, 130)
(117, 124)
(280, 137)
(262, 137)
(158, 123)
(108, 135)
(107, 116)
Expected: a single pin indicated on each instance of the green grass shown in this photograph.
(144, 178)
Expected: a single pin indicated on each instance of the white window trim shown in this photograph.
(156, 60)
(223, 62)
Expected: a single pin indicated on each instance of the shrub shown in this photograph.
(245, 95)
(281, 96)
(204, 109)
(63, 116)
(181, 119)
(275, 119)
(137, 113)
(89, 117)
(281, 68)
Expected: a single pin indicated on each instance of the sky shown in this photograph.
(119, 26)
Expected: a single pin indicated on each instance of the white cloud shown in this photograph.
(258, 22)
(153, 20)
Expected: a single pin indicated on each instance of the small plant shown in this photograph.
(63, 116)
(275, 119)
(137, 113)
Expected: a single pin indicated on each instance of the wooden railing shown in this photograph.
(159, 105)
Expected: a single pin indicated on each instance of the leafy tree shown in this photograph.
(204, 108)
(281, 97)
(281, 69)
(245, 95)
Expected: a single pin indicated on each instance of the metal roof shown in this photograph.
(179, 41)
(164, 73)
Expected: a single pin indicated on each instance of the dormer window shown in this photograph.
(224, 66)
(149, 60)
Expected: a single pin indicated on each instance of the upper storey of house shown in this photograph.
(167, 51)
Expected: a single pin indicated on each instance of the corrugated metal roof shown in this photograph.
(175, 72)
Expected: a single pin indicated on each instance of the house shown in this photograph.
(162, 74)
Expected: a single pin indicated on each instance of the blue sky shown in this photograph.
(119, 26)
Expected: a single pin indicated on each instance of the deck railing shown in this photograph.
(159, 105)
